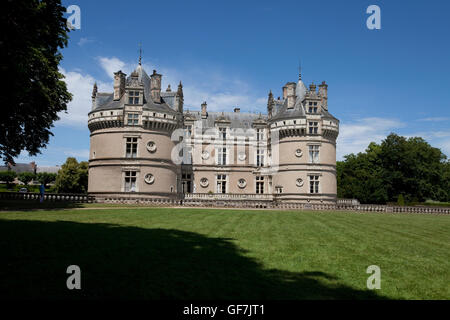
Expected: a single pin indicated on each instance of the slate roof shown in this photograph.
(237, 119)
(105, 101)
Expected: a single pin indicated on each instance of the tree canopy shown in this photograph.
(398, 166)
(33, 31)
(72, 177)
(26, 177)
(46, 177)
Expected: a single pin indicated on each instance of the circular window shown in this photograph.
(149, 178)
(242, 183)
(205, 155)
(151, 146)
(204, 182)
(299, 182)
(242, 156)
(298, 153)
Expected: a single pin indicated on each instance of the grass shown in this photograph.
(168, 253)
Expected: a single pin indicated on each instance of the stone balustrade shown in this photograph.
(227, 196)
(228, 201)
(60, 197)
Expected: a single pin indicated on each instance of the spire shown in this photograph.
(299, 70)
(270, 103)
(94, 90)
(140, 53)
(180, 89)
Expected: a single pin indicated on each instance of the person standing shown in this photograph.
(41, 191)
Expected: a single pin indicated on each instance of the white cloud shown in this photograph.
(80, 85)
(111, 65)
(355, 136)
(79, 154)
(435, 119)
(84, 41)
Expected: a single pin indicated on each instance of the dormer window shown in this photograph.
(222, 133)
(312, 107)
(133, 97)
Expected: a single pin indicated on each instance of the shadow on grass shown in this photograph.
(11, 205)
(135, 263)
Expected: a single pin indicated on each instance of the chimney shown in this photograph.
(119, 84)
(155, 87)
(237, 109)
(312, 87)
(291, 94)
(323, 92)
(204, 113)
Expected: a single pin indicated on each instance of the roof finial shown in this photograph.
(140, 53)
(299, 69)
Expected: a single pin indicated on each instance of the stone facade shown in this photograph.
(144, 145)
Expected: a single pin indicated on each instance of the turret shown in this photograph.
(270, 104)
(94, 95)
(180, 98)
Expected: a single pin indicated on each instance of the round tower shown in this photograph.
(130, 140)
(303, 145)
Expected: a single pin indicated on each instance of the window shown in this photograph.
(130, 181)
(222, 156)
(133, 119)
(259, 185)
(188, 131)
(186, 183)
(131, 148)
(314, 154)
(312, 110)
(279, 189)
(222, 133)
(133, 97)
(259, 134)
(313, 127)
(221, 183)
(259, 157)
(313, 184)
(187, 156)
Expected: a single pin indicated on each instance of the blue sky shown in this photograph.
(231, 53)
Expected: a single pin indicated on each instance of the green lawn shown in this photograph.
(206, 253)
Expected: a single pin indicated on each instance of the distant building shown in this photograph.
(48, 169)
(20, 167)
(144, 145)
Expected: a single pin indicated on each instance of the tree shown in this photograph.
(72, 177)
(398, 168)
(8, 177)
(361, 176)
(34, 91)
(46, 177)
(26, 177)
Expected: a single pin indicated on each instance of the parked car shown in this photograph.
(23, 190)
